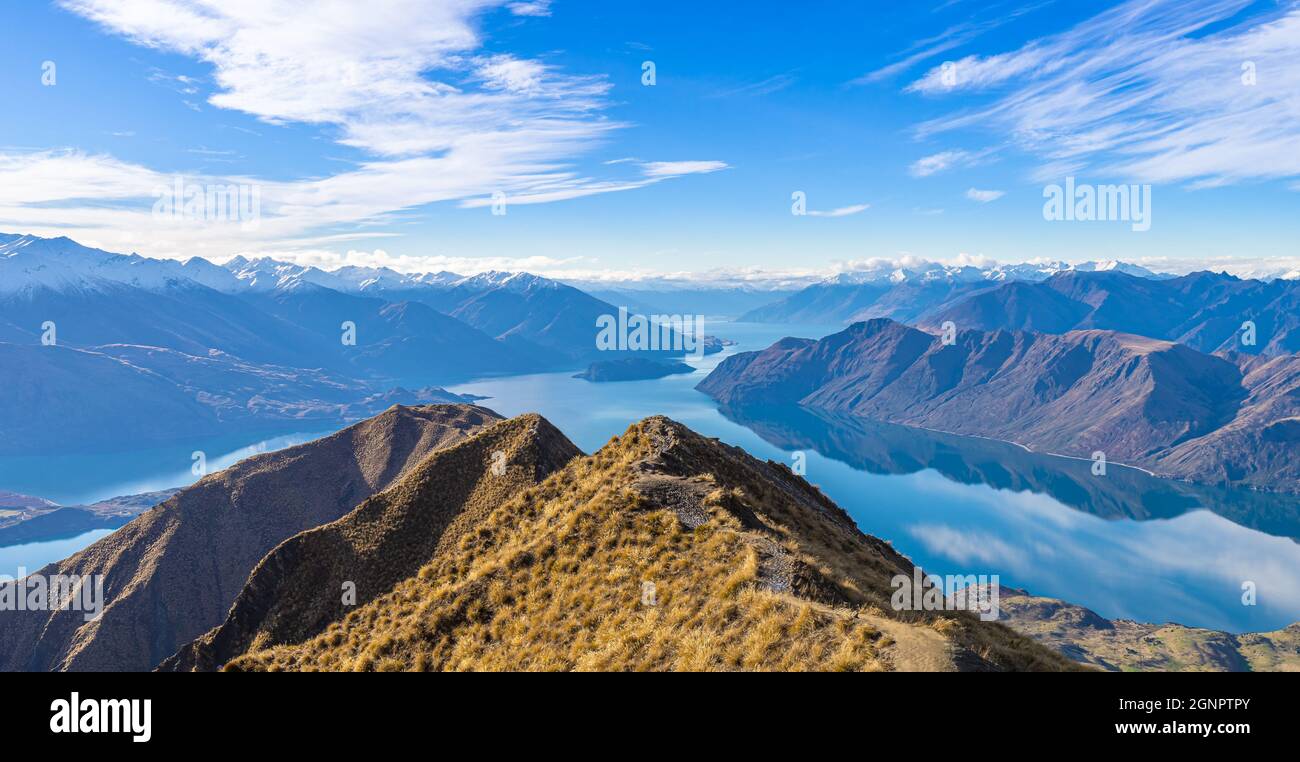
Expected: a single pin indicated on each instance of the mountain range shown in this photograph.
(1206, 311)
(264, 310)
(151, 351)
(1231, 420)
(905, 292)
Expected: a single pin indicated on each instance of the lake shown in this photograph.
(1125, 545)
(18, 560)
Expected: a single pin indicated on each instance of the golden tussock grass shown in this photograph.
(662, 551)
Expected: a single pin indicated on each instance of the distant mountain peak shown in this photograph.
(29, 263)
(886, 272)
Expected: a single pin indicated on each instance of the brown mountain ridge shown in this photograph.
(172, 573)
(298, 589)
(664, 550)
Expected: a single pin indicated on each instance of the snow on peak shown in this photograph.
(885, 272)
(29, 263)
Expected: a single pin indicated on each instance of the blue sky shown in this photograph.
(376, 133)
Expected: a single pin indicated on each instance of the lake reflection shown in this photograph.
(1127, 545)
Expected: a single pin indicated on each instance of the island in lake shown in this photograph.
(632, 369)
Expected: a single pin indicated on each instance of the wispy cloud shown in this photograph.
(406, 82)
(531, 8)
(1155, 90)
(772, 84)
(946, 160)
(843, 211)
(949, 39)
(984, 196)
(659, 169)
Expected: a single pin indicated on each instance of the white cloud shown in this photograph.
(843, 211)
(531, 8)
(945, 160)
(678, 168)
(984, 196)
(953, 37)
(1152, 90)
(404, 80)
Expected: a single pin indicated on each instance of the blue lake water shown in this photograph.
(1125, 545)
(20, 560)
(85, 478)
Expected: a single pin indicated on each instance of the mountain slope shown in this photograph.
(1139, 401)
(1126, 646)
(664, 550)
(396, 339)
(171, 574)
(297, 590)
(183, 316)
(61, 399)
(517, 308)
(1203, 310)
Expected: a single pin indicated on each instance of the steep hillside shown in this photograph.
(1139, 401)
(298, 589)
(664, 550)
(1261, 445)
(171, 574)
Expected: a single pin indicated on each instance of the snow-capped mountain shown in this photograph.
(266, 274)
(928, 272)
(30, 263)
(59, 264)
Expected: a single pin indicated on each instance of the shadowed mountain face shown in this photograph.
(1124, 493)
(172, 574)
(299, 588)
(664, 550)
(523, 311)
(183, 316)
(1141, 401)
(397, 339)
(1205, 311)
(61, 399)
